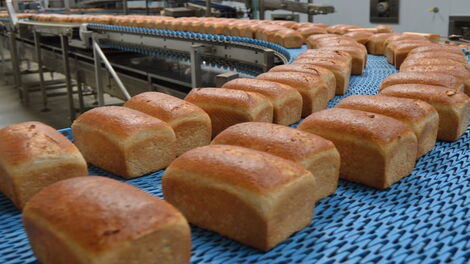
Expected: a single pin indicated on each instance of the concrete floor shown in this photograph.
(13, 111)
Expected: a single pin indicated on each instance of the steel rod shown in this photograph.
(68, 81)
(37, 46)
(111, 70)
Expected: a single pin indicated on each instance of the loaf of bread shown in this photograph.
(34, 156)
(384, 29)
(420, 116)
(439, 55)
(376, 43)
(438, 79)
(286, 101)
(341, 70)
(401, 37)
(99, 220)
(410, 62)
(456, 70)
(288, 38)
(332, 41)
(361, 36)
(429, 36)
(375, 150)
(314, 153)
(326, 75)
(307, 31)
(397, 51)
(438, 48)
(453, 106)
(343, 56)
(250, 196)
(358, 54)
(192, 126)
(227, 107)
(314, 92)
(124, 141)
(340, 28)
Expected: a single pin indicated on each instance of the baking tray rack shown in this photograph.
(424, 218)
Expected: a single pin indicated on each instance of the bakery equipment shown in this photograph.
(129, 55)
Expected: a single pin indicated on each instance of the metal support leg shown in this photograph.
(268, 59)
(261, 9)
(310, 17)
(80, 84)
(65, 56)
(208, 8)
(196, 65)
(99, 84)
(37, 46)
(15, 63)
(2, 57)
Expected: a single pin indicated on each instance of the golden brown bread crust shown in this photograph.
(33, 156)
(360, 36)
(375, 150)
(430, 61)
(250, 196)
(456, 70)
(420, 116)
(227, 107)
(453, 106)
(124, 141)
(97, 220)
(288, 38)
(376, 42)
(443, 55)
(251, 170)
(402, 37)
(325, 53)
(163, 106)
(326, 75)
(315, 93)
(438, 79)
(286, 101)
(397, 51)
(307, 31)
(438, 48)
(314, 153)
(341, 70)
(358, 54)
(192, 126)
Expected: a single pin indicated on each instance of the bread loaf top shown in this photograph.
(26, 142)
(457, 70)
(362, 124)
(282, 141)
(381, 36)
(120, 122)
(252, 170)
(334, 64)
(431, 61)
(236, 99)
(424, 92)
(437, 54)
(269, 89)
(163, 106)
(438, 79)
(400, 108)
(98, 213)
(295, 79)
(438, 48)
(325, 53)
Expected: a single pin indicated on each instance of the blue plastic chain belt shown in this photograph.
(424, 218)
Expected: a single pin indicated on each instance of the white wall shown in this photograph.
(414, 14)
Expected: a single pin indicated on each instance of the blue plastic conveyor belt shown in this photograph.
(425, 218)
